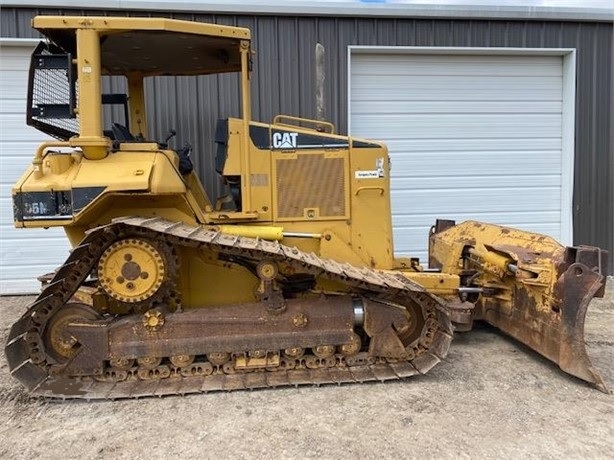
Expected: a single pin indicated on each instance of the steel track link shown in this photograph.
(28, 363)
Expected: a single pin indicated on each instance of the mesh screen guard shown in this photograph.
(52, 92)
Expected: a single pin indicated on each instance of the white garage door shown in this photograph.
(29, 253)
(471, 136)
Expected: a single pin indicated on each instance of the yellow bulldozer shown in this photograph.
(288, 279)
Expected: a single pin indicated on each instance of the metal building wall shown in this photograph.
(283, 82)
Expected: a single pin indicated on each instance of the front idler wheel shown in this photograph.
(60, 344)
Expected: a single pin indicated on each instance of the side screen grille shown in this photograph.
(52, 92)
(310, 182)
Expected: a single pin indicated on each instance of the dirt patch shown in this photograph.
(491, 398)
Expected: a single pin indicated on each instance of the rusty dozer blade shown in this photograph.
(527, 285)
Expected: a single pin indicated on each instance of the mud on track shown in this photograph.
(490, 398)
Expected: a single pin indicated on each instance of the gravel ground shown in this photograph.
(491, 398)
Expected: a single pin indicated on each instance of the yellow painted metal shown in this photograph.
(358, 229)
(141, 179)
(212, 282)
(142, 147)
(58, 164)
(153, 320)
(120, 172)
(355, 228)
(361, 233)
(131, 270)
(113, 205)
(232, 216)
(89, 107)
(198, 193)
(492, 248)
(136, 104)
(337, 244)
(442, 284)
(371, 225)
(125, 24)
(246, 197)
(253, 231)
(324, 188)
(494, 262)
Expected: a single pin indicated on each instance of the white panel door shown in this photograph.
(470, 137)
(25, 253)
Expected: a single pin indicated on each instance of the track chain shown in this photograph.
(28, 363)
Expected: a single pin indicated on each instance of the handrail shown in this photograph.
(377, 188)
(319, 125)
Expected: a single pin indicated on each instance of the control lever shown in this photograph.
(172, 133)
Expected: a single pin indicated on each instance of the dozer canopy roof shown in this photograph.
(152, 46)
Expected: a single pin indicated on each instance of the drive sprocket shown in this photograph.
(137, 272)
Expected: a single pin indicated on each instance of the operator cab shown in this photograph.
(126, 51)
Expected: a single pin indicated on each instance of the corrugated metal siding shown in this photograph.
(284, 83)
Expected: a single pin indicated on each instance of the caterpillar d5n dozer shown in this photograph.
(290, 279)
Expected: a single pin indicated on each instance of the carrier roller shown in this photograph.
(378, 326)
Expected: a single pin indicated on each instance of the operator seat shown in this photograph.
(121, 133)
